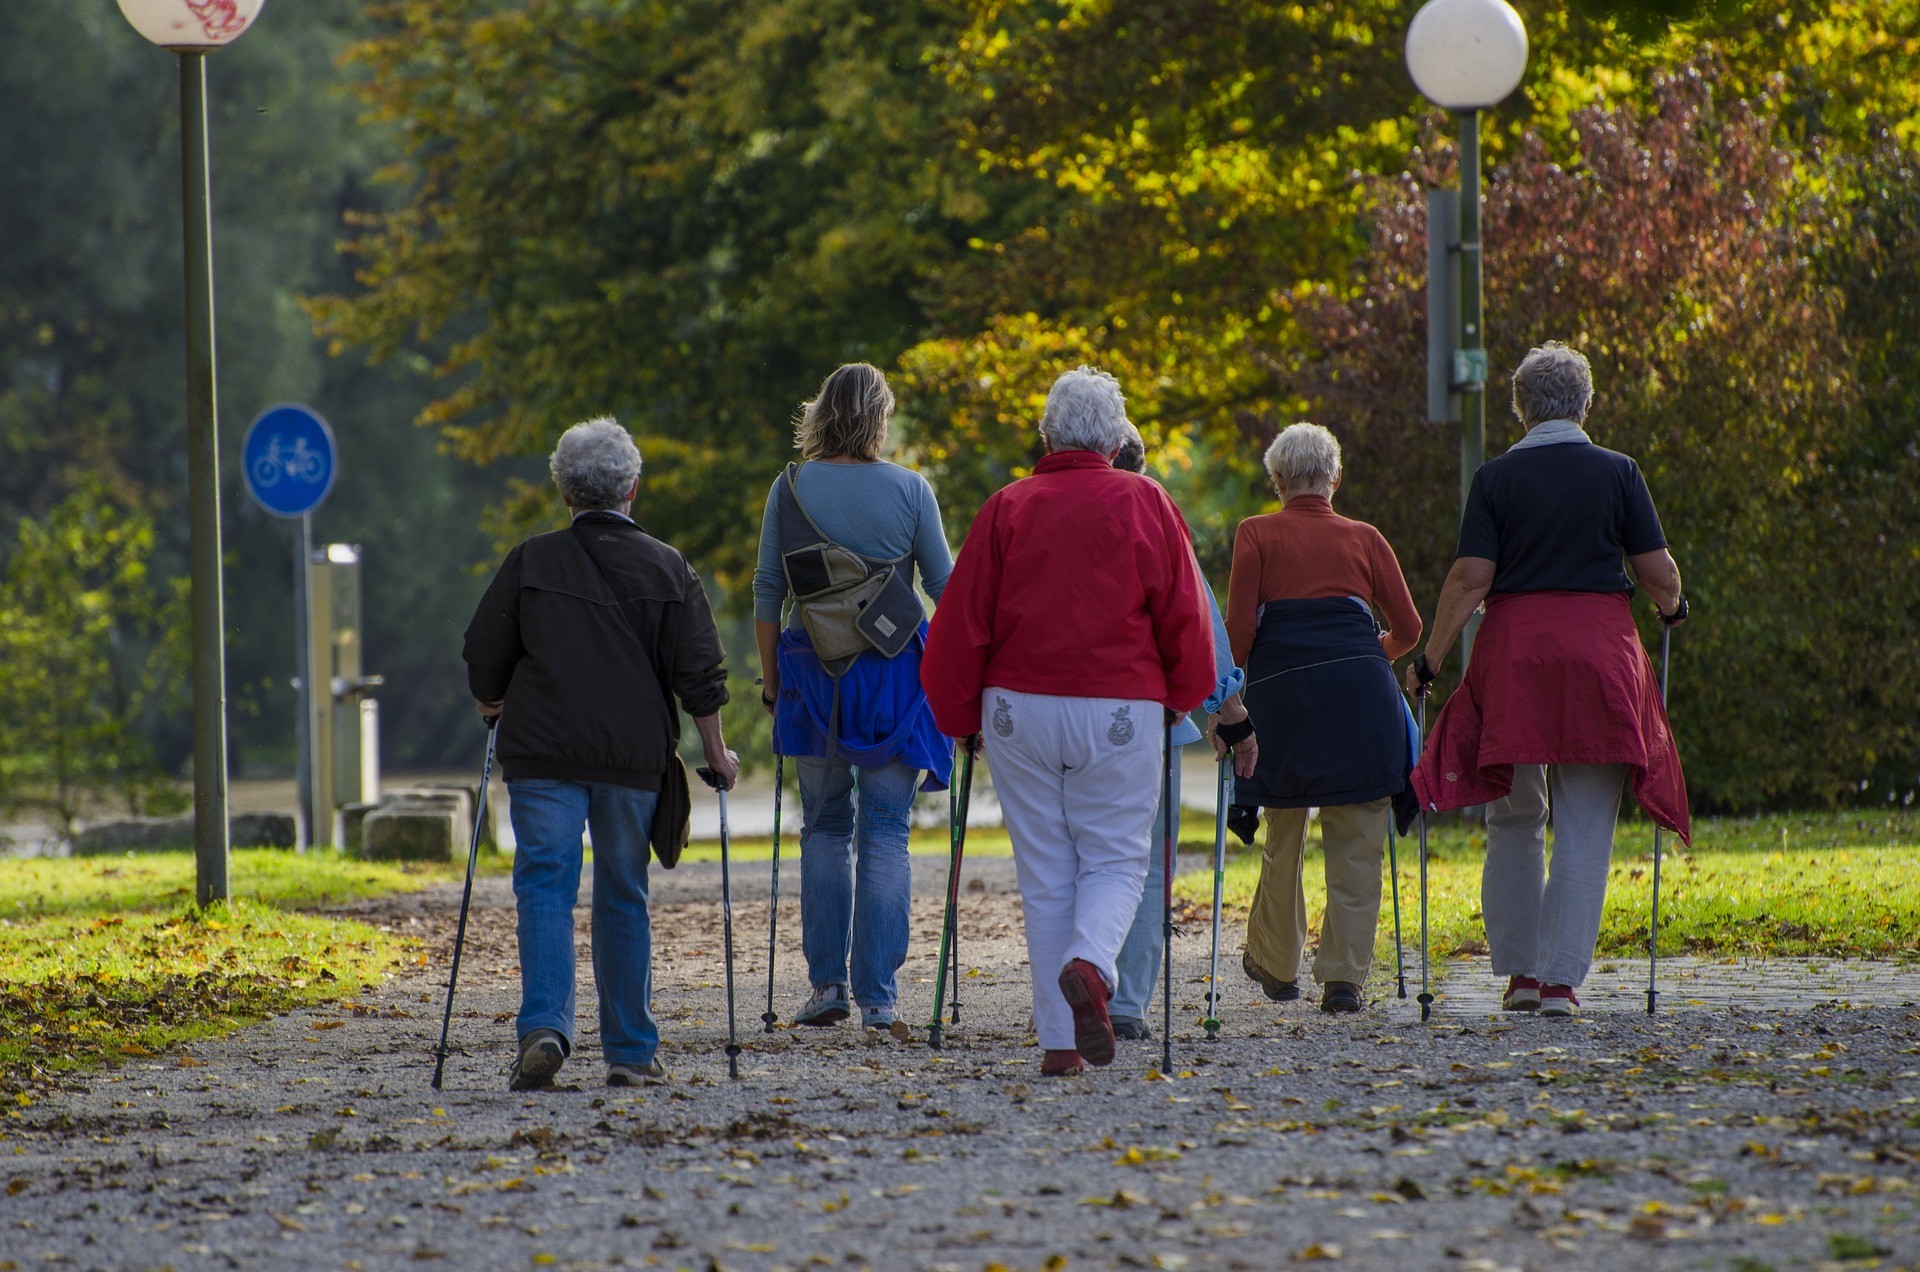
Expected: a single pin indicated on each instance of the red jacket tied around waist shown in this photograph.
(1556, 678)
(1077, 582)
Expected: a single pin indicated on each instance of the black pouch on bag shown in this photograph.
(890, 619)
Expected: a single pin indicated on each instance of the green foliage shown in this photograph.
(1832, 885)
(90, 645)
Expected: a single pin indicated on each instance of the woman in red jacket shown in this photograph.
(1073, 622)
(1558, 678)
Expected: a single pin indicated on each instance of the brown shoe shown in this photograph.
(1276, 989)
(1061, 1064)
(1086, 993)
(1342, 996)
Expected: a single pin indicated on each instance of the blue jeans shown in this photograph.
(547, 820)
(1139, 963)
(855, 877)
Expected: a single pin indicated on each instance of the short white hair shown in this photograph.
(595, 464)
(1303, 457)
(1085, 411)
(1553, 382)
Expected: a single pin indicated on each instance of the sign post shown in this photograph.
(290, 465)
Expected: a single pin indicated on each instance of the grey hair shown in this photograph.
(1085, 411)
(595, 464)
(1553, 382)
(1132, 455)
(1305, 457)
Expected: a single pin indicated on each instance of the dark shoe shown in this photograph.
(1061, 1064)
(827, 1006)
(1342, 996)
(1278, 990)
(1557, 1000)
(1244, 821)
(1086, 993)
(542, 1052)
(1523, 994)
(1130, 1029)
(633, 1075)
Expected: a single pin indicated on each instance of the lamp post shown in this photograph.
(192, 29)
(1466, 56)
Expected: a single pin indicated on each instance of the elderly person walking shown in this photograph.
(852, 714)
(1301, 604)
(1558, 678)
(580, 648)
(1138, 963)
(1074, 622)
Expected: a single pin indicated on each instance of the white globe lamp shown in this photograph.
(191, 24)
(1466, 54)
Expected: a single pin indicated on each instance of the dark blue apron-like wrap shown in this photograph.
(1331, 721)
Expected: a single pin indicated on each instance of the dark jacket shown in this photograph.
(587, 686)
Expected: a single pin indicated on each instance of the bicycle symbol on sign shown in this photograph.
(295, 462)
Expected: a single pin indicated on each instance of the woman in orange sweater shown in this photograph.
(1333, 728)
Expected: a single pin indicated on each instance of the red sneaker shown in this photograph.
(1061, 1064)
(1523, 994)
(1557, 1000)
(1087, 994)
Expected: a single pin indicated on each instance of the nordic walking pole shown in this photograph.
(1212, 1023)
(1653, 932)
(956, 850)
(769, 1017)
(466, 899)
(1425, 998)
(1399, 947)
(712, 779)
(958, 801)
(1166, 975)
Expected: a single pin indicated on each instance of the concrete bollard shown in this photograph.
(412, 832)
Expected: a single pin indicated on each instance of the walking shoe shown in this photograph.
(1523, 994)
(1086, 993)
(1130, 1029)
(1061, 1064)
(542, 1052)
(1244, 821)
(1557, 1000)
(633, 1075)
(882, 1020)
(1278, 990)
(1341, 996)
(828, 1006)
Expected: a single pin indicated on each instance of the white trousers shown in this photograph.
(1079, 780)
(1539, 924)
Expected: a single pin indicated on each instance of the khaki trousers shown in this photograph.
(1351, 835)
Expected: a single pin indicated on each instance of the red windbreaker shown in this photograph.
(1076, 582)
(1556, 678)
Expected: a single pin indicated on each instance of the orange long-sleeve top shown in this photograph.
(1307, 551)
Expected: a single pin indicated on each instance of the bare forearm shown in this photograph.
(767, 636)
(1659, 577)
(1460, 596)
(711, 739)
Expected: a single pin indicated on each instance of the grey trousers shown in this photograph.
(1545, 925)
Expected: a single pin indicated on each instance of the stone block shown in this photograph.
(135, 834)
(262, 830)
(411, 833)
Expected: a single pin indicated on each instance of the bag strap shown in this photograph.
(794, 515)
(659, 677)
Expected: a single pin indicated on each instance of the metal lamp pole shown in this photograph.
(1471, 373)
(192, 32)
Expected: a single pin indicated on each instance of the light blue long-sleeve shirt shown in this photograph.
(879, 510)
(1231, 681)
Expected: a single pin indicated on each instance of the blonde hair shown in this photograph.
(847, 417)
(1305, 457)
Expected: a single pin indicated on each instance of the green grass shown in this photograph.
(982, 841)
(108, 958)
(1838, 885)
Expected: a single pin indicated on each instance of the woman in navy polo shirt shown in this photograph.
(1560, 693)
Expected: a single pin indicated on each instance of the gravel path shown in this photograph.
(1783, 1133)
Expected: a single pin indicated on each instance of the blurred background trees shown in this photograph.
(686, 214)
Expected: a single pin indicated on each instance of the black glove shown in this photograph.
(1676, 618)
(1244, 821)
(1423, 669)
(1234, 734)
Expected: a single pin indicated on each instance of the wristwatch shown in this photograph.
(1423, 669)
(766, 699)
(1676, 618)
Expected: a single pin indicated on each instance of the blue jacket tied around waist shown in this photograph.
(1333, 727)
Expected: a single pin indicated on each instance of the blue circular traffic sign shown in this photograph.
(289, 460)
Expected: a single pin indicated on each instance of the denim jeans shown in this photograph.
(855, 878)
(547, 820)
(1140, 955)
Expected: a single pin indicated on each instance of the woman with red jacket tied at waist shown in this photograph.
(1074, 620)
(1334, 732)
(1558, 677)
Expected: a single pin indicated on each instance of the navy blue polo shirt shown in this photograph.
(1562, 517)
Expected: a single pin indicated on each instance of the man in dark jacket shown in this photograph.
(579, 649)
